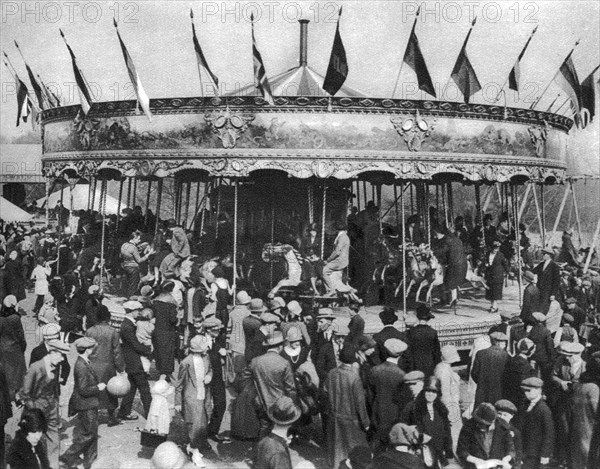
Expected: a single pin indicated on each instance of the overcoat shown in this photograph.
(516, 370)
(253, 336)
(347, 420)
(487, 371)
(548, 282)
(165, 338)
(14, 279)
(273, 377)
(12, 349)
(131, 348)
(24, 456)
(470, 442)
(494, 276)
(537, 431)
(451, 254)
(425, 348)
(531, 303)
(584, 408)
(106, 359)
(85, 390)
(385, 381)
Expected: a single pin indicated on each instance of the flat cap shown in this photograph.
(568, 318)
(414, 376)
(85, 343)
(340, 329)
(395, 347)
(212, 323)
(532, 382)
(269, 318)
(325, 313)
(132, 305)
(540, 317)
(571, 301)
(570, 348)
(58, 345)
(499, 336)
(504, 405)
(50, 331)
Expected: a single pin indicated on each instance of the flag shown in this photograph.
(569, 82)
(22, 101)
(588, 96)
(142, 97)
(34, 84)
(84, 94)
(415, 60)
(514, 76)
(260, 74)
(50, 97)
(337, 71)
(463, 73)
(200, 56)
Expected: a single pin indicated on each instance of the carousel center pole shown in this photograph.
(235, 230)
(121, 183)
(516, 215)
(102, 211)
(543, 213)
(403, 231)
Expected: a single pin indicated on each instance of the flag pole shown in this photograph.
(15, 76)
(555, 75)
(87, 83)
(552, 103)
(518, 60)
(562, 105)
(460, 52)
(197, 63)
(402, 62)
(40, 105)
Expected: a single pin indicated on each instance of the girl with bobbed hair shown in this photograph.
(27, 451)
(430, 416)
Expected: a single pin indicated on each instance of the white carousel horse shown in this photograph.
(473, 276)
(417, 269)
(434, 278)
(293, 260)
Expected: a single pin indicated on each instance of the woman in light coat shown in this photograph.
(450, 382)
(40, 275)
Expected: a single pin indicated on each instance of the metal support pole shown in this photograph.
(134, 196)
(426, 186)
(158, 202)
(450, 197)
(524, 201)
(396, 202)
(358, 195)
(48, 189)
(543, 215)
(102, 207)
(537, 209)
(129, 187)
(89, 196)
(379, 208)
(516, 215)
(560, 211)
(365, 193)
(323, 220)
(577, 219)
(272, 241)
(148, 201)
(219, 212)
(93, 188)
(119, 205)
(235, 230)
(188, 194)
(403, 224)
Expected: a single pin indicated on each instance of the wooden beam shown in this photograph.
(559, 214)
(577, 219)
(592, 247)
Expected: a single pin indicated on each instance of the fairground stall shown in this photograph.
(246, 173)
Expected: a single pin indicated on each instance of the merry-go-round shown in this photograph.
(247, 178)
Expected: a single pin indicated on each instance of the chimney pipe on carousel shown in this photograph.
(303, 42)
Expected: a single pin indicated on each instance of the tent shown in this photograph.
(9, 212)
(81, 194)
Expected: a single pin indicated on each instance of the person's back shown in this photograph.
(273, 377)
(272, 453)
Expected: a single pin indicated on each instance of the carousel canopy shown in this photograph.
(80, 199)
(9, 212)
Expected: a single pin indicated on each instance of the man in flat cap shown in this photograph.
(516, 370)
(385, 381)
(324, 333)
(39, 391)
(132, 350)
(537, 426)
(51, 332)
(577, 312)
(84, 403)
(548, 278)
(488, 368)
(544, 354)
(531, 297)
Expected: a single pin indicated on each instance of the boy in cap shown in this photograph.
(385, 381)
(39, 391)
(51, 332)
(536, 425)
(405, 442)
(506, 411)
(483, 438)
(84, 403)
(576, 312)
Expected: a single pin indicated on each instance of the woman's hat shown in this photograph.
(284, 411)
(257, 305)
(10, 301)
(199, 344)
(274, 339)
(242, 298)
(450, 354)
(526, 346)
(293, 334)
(424, 312)
(294, 308)
(485, 414)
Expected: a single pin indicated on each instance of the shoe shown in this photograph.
(130, 417)
(453, 303)
(220, 439)
(114, 422)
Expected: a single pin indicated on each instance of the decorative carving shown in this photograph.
(86, 130)
(228, 126)
(414, 131)
(538, 136)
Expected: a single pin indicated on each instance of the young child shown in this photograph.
(145, 328)
(159, 416)
(506, 411)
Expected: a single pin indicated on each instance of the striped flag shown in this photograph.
(50, 97)
(260, 74)
(463, 72)
(515, 74)
(202, 63)
(413, 57)
(337, 71)
(142, 97)
(85, 96)
(569, 82)
(588, 99)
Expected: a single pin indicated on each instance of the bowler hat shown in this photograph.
(424, 312)
(485, 414)
(284, 411)
(388, 315)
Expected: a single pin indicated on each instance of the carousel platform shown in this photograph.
(458, 327)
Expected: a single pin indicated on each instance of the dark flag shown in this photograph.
(22, 101)
(588, 97)
(260, 74)
(415, 60)
(37, 89)
(515, 74)
(200, 57)
(463, 72)
(569, 82)
(50, 97)
(84, 94)
(337, 71)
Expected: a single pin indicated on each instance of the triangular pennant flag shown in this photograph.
(34, 84)
(22, 101)
(260, 74)
(463, 72)
(514, 76)
(569, 82)
(142, 97)
(588, 98)
(415, 60)
(85, 97)
(337, 71)
(200, 57)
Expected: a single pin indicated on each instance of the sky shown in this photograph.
(375, 33)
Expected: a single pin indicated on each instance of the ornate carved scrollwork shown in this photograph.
(538, 136)
(228, 126)
(414, 130)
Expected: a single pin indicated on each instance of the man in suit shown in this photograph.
(252, 335)
(536, 425)
(488, 368)
(84, 403)
(328, 357)
(40, 391)
(385, 381)
(388, 317)
(324, 333)
(273, 377)
(451, 254)
(106, 359)
(133, 350)
(424, 343)
(338, 260)
(531, 298)
(548, 279)
(51, 332)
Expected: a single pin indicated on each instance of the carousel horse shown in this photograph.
(417, 268)
(434, 276)
(293, 260)
(473, 276)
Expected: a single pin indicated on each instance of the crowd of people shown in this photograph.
(390, 400)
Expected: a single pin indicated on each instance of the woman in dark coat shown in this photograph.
(27, 451)
(14, 276)
(5, 411)
(418, 412)
(165, 338)
(12, 345)
(451, 254)
(496, 267)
